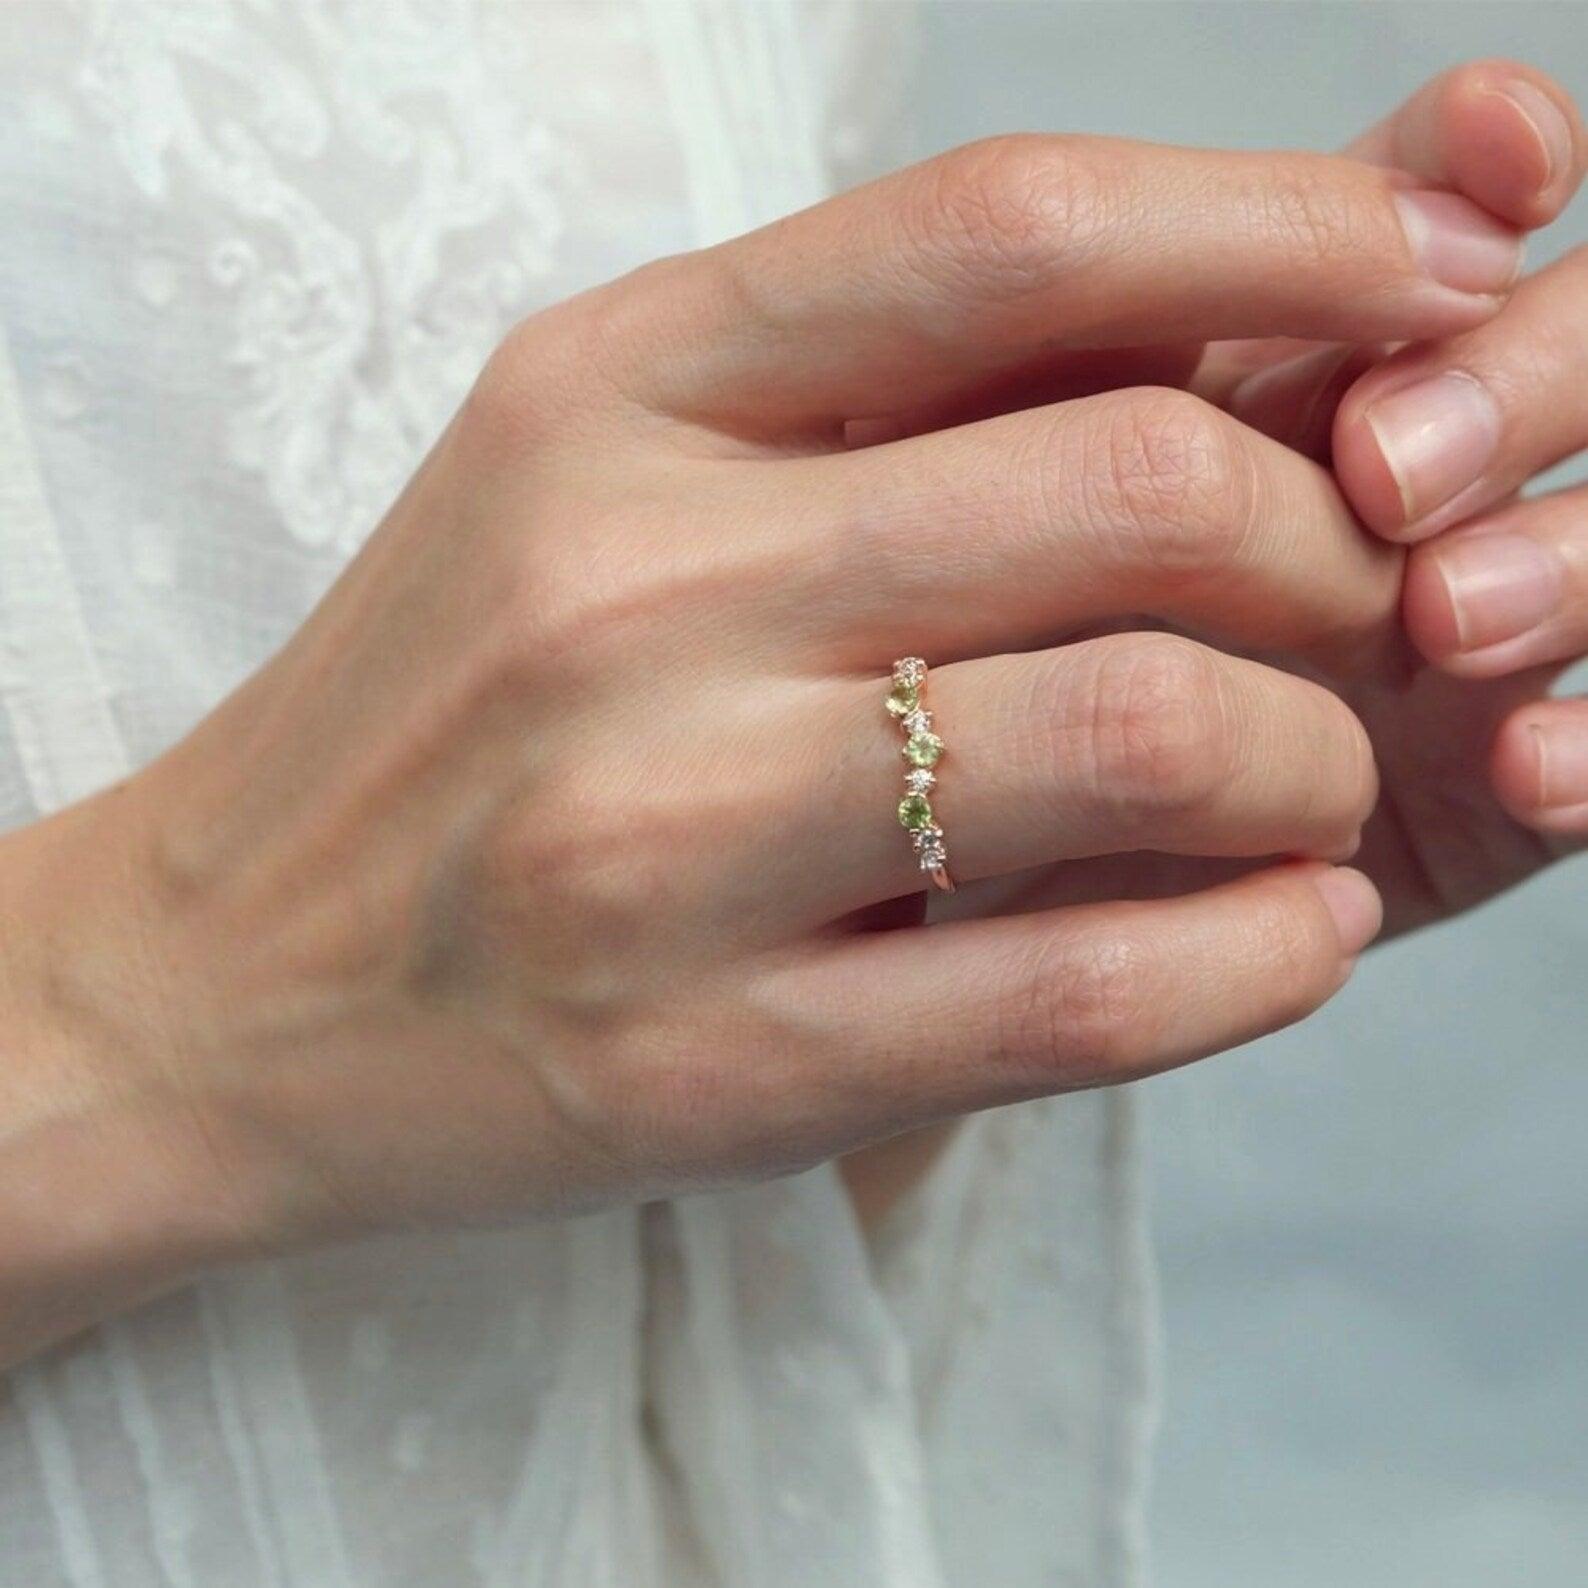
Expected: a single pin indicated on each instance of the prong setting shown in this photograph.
(922, 749)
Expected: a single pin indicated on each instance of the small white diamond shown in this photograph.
(920, 780)
(918, 722)
(909, 670)
(920, 836)
(932, 856)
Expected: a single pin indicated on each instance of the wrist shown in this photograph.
(112, 1180)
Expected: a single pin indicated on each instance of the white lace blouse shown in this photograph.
(251, 254)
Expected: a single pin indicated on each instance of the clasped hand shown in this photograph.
(553, 863)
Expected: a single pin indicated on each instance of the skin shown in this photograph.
(550, 865)
(1486, 778)
(1464, 734)
(1463, 813)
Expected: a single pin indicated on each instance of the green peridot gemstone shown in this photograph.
(915, 811)
(903, 699)
(923, 749)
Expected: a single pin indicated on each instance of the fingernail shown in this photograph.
(1544, 116)
(1500, 586)
(1457, 243)
(1562, 764)
(1436, 437)
(1354, 903)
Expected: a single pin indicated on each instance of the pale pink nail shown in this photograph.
(1543, 115)
(1500, 586)
(1457, 243)
(1562, 763)
(1354, 903)
(1436, 437)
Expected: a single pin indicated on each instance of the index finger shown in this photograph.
(938, 276)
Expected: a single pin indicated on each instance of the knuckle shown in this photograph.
(497, 407)
(1079, 1010)
(1002, 213)
(559, 366)
(1160, 745)
(570, 609)
(614, 337)
(561, 868)
(551, 614)
(592, 585)
(1175, 480)
(517, 399)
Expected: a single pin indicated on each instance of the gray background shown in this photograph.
(1371, 1228)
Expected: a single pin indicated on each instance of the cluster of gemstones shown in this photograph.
(922, 750)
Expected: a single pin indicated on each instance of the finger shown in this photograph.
(1438, 432)
(1136, 741)
(1540, 767)
(1017, 530)
(935, 278)
(1294, 401)
(1053, 380)
(1499, 133)
(1225, 365)
(1506, 592)
(903, 1027)
(1505, 134)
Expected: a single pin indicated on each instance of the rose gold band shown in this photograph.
(922, 750)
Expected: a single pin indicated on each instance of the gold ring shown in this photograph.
(923, 749)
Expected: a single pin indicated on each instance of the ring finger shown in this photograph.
(1128, 742)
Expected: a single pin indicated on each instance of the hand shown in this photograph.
(1473, 798)
(546, 866)
(1497, 132)
(1433, 447)
(1486, 779)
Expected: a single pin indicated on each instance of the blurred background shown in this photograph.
(1373, 1229)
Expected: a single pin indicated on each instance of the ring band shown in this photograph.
(923, 749)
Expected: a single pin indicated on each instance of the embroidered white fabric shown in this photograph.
(253, 252)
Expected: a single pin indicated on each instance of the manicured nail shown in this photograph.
(1354, 903)
(1436, 437)
(1499, 586)
(1459, 244)
(1562, 763)
(1544, 116)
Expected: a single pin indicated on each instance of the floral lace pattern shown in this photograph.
(351, 345)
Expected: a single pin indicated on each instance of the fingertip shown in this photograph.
(1411, 447)
(1516, 766)
(1479, 602)
(1539, 766)
(1364, 474)
(1512, 140)
(1354, 906)
(1458, 243)
(1546, 148)
(1428, 609)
